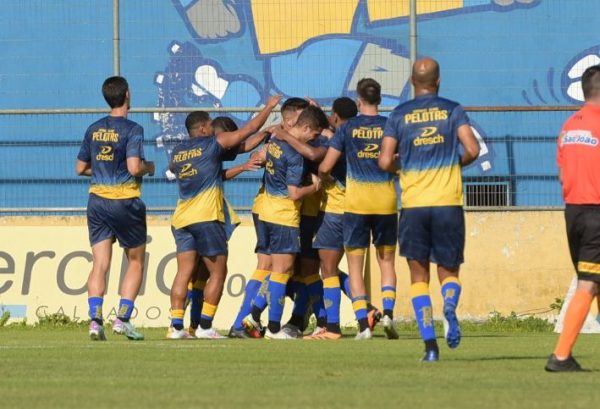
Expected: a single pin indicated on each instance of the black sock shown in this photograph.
(274, 326)
(334, 327)
(322, 322)
(194, 323)
(389, 313)
(178, 327)
(205, 324)
(256, 313)
(363, 324)
(98, 321)
(431, 345)
(297, 320)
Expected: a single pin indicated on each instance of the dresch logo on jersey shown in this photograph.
(370, 151)
(428, 137)
(187, 171)
(578, 137)
(106, 153)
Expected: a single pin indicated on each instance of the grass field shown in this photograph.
(61, 368)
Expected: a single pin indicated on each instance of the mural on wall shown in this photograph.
(304, 48)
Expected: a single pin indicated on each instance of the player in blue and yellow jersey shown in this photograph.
(433, 139)
(370, 204)
(255, 291)
(198, 222)
(195, 293)
(112, 153)
(281, 214)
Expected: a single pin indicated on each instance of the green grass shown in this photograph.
(59, 367)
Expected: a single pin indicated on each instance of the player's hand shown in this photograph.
(312, 102)
(328, 133)
(252, 165)
(273, 101)
(259, 157)
(316, 181)
(150, 167)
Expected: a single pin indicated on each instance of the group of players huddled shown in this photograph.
(329, 188)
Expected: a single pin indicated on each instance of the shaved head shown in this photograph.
(426, 74)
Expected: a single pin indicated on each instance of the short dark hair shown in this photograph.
(345, 108)
(314, 117)
(195, 118)
(225, 124)
(294, 104)
(114, 90)
(369, 91)
(590, 82)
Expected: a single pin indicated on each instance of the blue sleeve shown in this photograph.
(84, 152)
(337, 141)
(391, 127)
(135, 143)
(295, 170)
(458, 117)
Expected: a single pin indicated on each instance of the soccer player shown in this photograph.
(112, 153)
(370, 204)
(255, 291)
(427, 133)
(195, 293)
(578, 159)
(198, 220)
(281, 214)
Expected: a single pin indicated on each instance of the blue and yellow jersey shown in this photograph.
(284, 168)
(197, 164)
(334, 190)
(426, 130)
(369, 190)
(311, 204)
(107, 144)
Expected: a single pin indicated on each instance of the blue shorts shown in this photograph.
(359, 227)
(262, 241)
(330, 233)
(282, 239)
(206, 238)
(120, 219)
(435, 234)
(308, 229)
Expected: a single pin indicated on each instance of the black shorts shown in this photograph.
(583, 233)
(121, 219)
(308, 230)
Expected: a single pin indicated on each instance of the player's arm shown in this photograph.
(297, 193)
(253, 141)
(136, 164)
(140, 167)
(230, 139)
(331, 158)
(387, 155)
(469, 142)
(250, 166)
(312, 153)
(83, 168)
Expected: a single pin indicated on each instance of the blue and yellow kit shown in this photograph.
(114, 210)
(107, 144)
(284, 167)
(369, 190)
(198, 220)
(426, 131)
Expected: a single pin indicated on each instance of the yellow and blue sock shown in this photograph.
(95, 309)
(332, 296)
(421, 301)
(451, 289)
(359, 304)
(207, 315)
(276, 296)
(197, 301)
(188, 295)
(260, 302)
(314, 284)
(388, 295)
(177, 319)
(125, 309)
(298, 291)
(250, 292)
(345, 284)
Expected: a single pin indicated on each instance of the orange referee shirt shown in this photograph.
(578, 156)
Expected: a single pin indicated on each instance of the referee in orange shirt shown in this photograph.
(578, 160)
